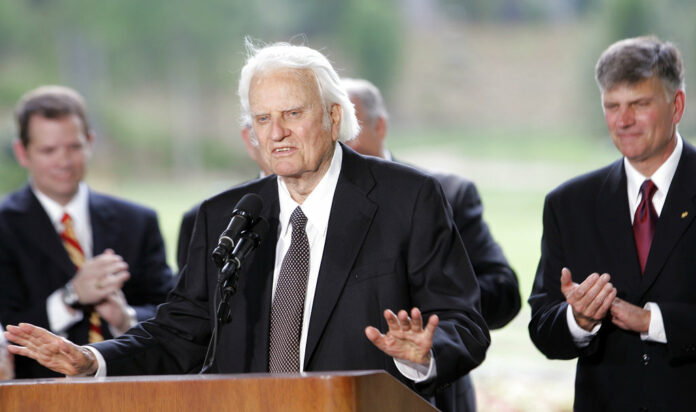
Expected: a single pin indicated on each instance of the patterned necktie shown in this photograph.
(288, 305)
(77, 256)
(644, 222)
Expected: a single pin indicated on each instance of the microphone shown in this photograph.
(244, 214)
(248, 241)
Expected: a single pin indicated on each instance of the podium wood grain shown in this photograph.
(338, 391)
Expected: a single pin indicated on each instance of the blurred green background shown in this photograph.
(500, 91)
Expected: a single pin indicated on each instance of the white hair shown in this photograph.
(284, 55)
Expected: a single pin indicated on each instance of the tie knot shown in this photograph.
(66, 218)
(298, 219)
(648, 189)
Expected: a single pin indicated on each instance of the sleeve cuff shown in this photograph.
(415, 371)
(101, 363)
(656, 330)
(60, 318)
(581, 337)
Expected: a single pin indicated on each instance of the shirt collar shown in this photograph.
(317, 206)
(662, 176)
(77, 208)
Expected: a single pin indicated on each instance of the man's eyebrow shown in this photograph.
(288, 109)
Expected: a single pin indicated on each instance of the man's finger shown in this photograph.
(597, 298)
(416, 319)
(113, 282)
(374, 335)
(586, 285)
(433, 321)
(21, 350)
(566, 278)
(392, 320)
(594, 287)
(608, 303)
(404, 320)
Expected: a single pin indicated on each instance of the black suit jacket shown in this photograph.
(587, 228)
(500, 295)
(389, 244)
(34, 263)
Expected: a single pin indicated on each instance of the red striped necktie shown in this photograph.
(77, 256)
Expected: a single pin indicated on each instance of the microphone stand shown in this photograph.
(228, 277)
(227, 286)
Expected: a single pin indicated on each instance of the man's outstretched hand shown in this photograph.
(54, 352)
(406, 338)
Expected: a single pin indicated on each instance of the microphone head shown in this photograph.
(251, 203)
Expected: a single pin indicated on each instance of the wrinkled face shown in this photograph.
(55, 155)
(642, 121)
(369, 141)
(287, 117)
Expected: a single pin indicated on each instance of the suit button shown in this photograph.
(646, 359)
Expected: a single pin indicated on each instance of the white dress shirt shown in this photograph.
(317, 208)
(662, 178)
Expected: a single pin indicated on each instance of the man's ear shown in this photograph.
(336, 116)
(89, 141)
(381, 127)
(679, 105)
(20, 153)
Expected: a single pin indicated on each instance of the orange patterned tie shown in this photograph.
(77, 256)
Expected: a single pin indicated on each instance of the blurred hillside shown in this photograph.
(160, 77)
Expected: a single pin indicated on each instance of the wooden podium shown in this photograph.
(337, 391)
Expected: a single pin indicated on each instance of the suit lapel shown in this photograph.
(33, 220)
(351, 215)
(676, 216)
(614, 223)
(105, 229)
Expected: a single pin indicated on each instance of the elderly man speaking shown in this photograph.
(353, 242)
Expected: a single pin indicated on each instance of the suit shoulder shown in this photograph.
(453, 180)
(13, 201)
(396, 172)
(587, 184)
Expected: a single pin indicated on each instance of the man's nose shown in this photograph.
(278, 129)
(626, 117)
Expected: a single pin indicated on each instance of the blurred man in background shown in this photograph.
(82, 264)
(500, 296)
(616, 283)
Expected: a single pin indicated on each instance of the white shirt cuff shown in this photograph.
(656, 330)
(60, 318)
(581, 337)
(415, 371)
(101, 363)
